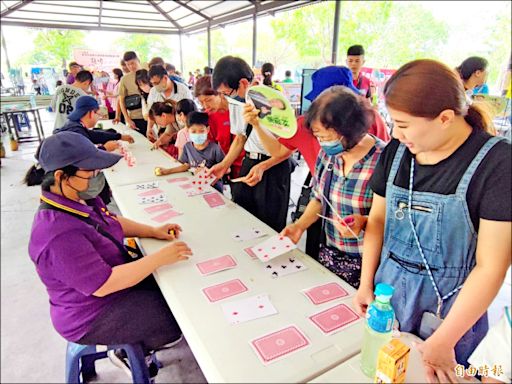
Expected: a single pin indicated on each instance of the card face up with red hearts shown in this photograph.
(216, 265)
(334, 319)
(200, 178)
(324, 293)
(251, 308)
(273, 247)
(279, 344)
(221, 291)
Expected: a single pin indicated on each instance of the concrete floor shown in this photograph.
(31, 350)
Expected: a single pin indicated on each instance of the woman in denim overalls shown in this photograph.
(440, 266)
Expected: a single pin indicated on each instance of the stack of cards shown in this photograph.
(251, 308)
(227, 289)
(286, 266)
(273, 247)
(334, 319)
(276, 345)
(324, 293)
(248, 234)
(216, 265)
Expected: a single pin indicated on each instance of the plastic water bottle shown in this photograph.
(380, 317)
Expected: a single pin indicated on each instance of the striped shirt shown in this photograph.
(349, 194)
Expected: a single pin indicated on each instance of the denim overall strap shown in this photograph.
(462, 188)
(395, 165)
(440, 298)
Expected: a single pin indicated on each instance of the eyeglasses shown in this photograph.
(230, 94)
(94, 174)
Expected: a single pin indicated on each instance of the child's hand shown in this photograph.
(111, 145)
(127, 138)
(156, 144)
(159, 171)
(255, 175)
(251, 115)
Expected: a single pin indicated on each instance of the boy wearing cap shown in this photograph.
(84, 118)
(98, 294)
(64, 100)
(355, 61)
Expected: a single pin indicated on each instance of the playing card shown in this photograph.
(158, 208)
(160, 198)
(167, 215)
(177, 180)
(324, 293)
(248, 234)
(151, 192)
(278, 344)
(250, 253)
(284, 266)
(216, 265)
(150, 185)
(195, 191)
(273, 247)
(334, 319)
(186, 186)
(223, 290)
(251, 308)
(214, 200)
(200, 178)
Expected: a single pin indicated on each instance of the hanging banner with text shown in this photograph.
(97, 60)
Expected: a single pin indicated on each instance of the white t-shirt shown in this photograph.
(239, 127)
(182, 93)
(64, 101)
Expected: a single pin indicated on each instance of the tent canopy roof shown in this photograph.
(138, 16)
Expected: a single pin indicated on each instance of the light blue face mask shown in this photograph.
(198, 138)
(332, 148)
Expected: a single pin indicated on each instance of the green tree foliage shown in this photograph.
(391, 32)
(148, 46)
(54, 47)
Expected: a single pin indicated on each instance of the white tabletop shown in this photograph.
(350, 371)
(145, 159)
(223, 350)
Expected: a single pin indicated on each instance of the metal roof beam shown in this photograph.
(165, 15)
(262, 8)
(89, 27)
(193, 10)
(10, 10)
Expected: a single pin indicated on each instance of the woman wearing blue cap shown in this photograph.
(98, 295)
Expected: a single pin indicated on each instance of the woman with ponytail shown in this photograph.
(267, 70)
(439, 228)
(473, 72)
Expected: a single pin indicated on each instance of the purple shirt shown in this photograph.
(74, 260)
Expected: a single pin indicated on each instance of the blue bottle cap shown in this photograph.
(383, 289)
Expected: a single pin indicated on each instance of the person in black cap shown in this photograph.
(85, 117)
(98, 294)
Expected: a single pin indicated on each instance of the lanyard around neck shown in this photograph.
(440, 298)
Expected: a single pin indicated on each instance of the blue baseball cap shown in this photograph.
(327, 77)
(71, 148)
(83, 105)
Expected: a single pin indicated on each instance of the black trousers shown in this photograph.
(313, 238)
(142, 125)
(140, 316)
(267, 200)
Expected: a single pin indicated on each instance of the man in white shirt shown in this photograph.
(163, 89)
(264, 189)
(64, 100)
